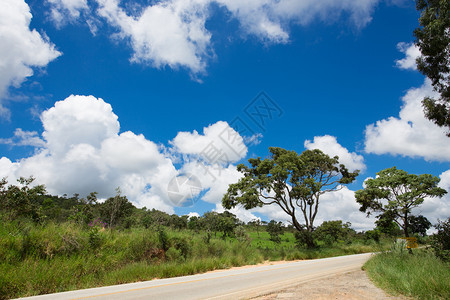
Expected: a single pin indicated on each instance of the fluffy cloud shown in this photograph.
(329, 145)
(338, 205)
(411, 52)
(83, 152)
(219, 143)
(78, 120)
(24, 138)
(411, 134)
(62, 11)
(341, 205)
(173, 32)
(168, 33)
(21, 49)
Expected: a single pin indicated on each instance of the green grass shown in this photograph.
(40, 259)
(421, 275)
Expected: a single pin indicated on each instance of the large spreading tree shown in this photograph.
(433, 40)
(293, 182)
(395, 193)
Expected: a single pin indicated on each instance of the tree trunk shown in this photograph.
(405, 229)
(310, 240)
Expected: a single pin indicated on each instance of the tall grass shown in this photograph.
(39, 259)
(420, 275)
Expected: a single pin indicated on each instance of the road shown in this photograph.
(225, 284)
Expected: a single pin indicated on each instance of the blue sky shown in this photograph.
(155, 82)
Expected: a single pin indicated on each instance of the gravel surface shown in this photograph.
(354, 285)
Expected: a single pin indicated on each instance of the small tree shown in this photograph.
(226, 223)
(256, 224)
(440, 241)
(274, 229)
(395, 192)
(116, 208)
(20, 200)
(291, 181)
(331, 231)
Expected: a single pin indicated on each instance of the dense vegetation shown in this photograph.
(421, 274)
(51, 243)
(44, 238)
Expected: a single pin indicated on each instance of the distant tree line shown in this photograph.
(27, 201)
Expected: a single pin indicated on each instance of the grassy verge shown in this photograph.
(40, 259)
(421, 275)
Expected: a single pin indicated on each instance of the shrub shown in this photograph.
(163, 239)
(440, 242)
(302, 237)
(242, 236)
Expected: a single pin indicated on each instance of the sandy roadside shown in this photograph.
(354, 285)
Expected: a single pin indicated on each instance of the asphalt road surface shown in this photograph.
(238, 283)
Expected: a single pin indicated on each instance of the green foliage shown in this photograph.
(68, 246)
(20, 201)
(193, 223)
(332, 231)
(291, 181)
(305, 238)
(394, 192)
(274, 229)
(372, 235)
(242, 236)
(53, 257)
(116, 209)
(440, 241)
(163, 239)
(433, 40)
(419, 225)
(385, 224)
(420, 275)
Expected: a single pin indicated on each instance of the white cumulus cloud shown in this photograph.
(24, 138)
(219, 143)
(329, 145)
(168, 33)
(409, 134)
(21, 48)
(82, 150)
(411, 52)
(173, 33)
(62, 11)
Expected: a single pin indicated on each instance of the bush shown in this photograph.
(372, 235)
(173, 254)
(421, 275)
(440, 242)
(163, 239)
(242, 236)
(302, 237)
(181, 245)
(275, 229)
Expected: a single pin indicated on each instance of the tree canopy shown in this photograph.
(395, 193)
(293, 182)
(433, 40)
(16, 201)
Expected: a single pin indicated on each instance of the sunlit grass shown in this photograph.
(40, 259)
(421, 275)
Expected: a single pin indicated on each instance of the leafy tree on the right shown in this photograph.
(395, 192)
(433, 40)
